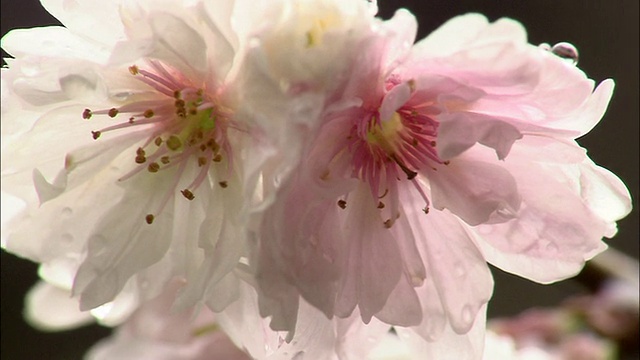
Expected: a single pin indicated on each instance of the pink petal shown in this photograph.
(474, 190)
(459, 270)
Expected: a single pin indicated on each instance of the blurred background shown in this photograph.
(606, 35)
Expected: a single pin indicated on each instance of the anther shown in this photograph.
(165, 160)
(174, 143)
(113, 112)
(153, 167)
(412, 85)
(202, 161)
(133, 70)
(187, 194)
(342, 204)
(433, 143)
(149, 218)
(140, 152)
(425, 210)
(148, 113)
(213, 145)
(141, 159)
(388, 224)
(96, 134)
(380, 205)
(217, 158)
(158, 141)
(86, 114)
(223, 184)
(446, 162)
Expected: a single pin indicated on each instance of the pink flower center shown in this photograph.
(386, 152)
(184, 123)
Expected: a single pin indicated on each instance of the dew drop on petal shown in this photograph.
(566, 51)
(459, 270)
(467, 314)
(484, 229)
(66, 238)
(67, 211)
(144, 284)
(552, 247)
(545, 46)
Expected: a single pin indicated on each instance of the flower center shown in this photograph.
(185, 124)
(383, 149)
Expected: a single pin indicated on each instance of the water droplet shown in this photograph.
(417, 280)
(484, 229)
(467, 314)
(66, 238)
(545, 46)
(566, 51)
(552, 247)
(67, 211)
(144, 284)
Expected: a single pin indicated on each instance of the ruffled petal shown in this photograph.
(374, 264)
(473, 190)
(461, 131)
(459, 270)
(555, 229)
(94, 19)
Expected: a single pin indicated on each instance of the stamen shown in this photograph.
(174, 143)
(187, 194)
(153, 167)
(86, 114)
(149, 219)
(113, 112)
(223, 184)
(342, 204)
(410, 173)
(96, 134)
(424, 196)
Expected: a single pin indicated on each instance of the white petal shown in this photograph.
(49, 308)
(451, 346)
(52, 42)
(94, 19)
(451, 36)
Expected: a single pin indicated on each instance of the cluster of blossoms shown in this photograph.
(291, 179)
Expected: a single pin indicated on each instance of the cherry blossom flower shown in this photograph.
(453, 153)
(125, 123)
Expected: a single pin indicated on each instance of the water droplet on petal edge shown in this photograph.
(566, 51)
